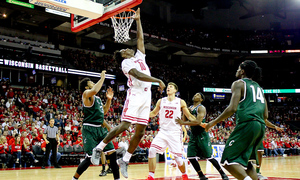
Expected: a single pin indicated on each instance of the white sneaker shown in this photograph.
(261, 177)
(95, 159)
(123, 166)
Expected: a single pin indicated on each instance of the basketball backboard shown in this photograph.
(110, 8)
(87, 8)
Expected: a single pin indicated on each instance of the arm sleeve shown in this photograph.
(127, 65)
(45, 130)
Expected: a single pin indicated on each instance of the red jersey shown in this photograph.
(287, 145)
(43, 145)
(15, 148)
(279, 144)
(11, 141)
(27, 149)
(4, 148)
(78, 142)
(116, 145)
(36, 141)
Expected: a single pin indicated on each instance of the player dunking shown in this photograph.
(250, 106)
(170, 133)
(199, 144)
(138, 101)
(93, 124)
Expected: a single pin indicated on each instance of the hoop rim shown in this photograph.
(127, 10)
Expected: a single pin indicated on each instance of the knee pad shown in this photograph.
(152, 152)
(179, 161)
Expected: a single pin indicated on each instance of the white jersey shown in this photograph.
(169, 111)
(138, 62)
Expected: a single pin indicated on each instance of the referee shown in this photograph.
(52, 139)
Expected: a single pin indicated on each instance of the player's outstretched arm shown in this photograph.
(186, 111)
(144, 77)
(109, 96)
(91, 92)
(155, 110)
(140, 34)
(106, 125)
(236, 89)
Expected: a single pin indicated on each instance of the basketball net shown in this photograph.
(122, 23)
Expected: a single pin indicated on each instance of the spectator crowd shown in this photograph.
(24, 114)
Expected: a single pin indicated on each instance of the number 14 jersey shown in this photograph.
(169, 111)
(252, 106)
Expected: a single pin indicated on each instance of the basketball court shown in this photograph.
(275, 168)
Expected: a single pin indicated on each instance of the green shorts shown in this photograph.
(243, 143)
(199, 146)
(92, 136)
(261, 147)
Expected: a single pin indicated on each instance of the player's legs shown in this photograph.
(113, 164)
(82, 167)
(89, 135)
(237, 171)
(116, 131)
(136, 138)
(251, 171)
(192, 154)
(103, 162)
(216, 164)
(158, 145)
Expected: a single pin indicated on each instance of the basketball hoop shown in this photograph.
(122, 23)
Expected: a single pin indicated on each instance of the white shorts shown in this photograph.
(136, 109)
(170, 139)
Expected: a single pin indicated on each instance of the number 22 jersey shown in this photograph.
(169, 111)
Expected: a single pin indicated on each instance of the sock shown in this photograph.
(83, 165)
(114, 166)
(127, 157)
(257, 169)
(196, 166)
(184, 173)
(74, 178)
(101, 145)
(216, 165)
(247, 178)
(103, 167)
(151, 174)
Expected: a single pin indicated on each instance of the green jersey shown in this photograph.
(252, 106)
(94, 114)
(196, 130)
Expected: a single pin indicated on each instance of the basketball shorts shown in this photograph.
(243, 143)
(136, 109)
(261, 147)
(170, 139)
(92, 136)
(199, 146)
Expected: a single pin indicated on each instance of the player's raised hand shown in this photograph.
(103, 74)
(109, 93)
(162, 86)
(137, 14)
